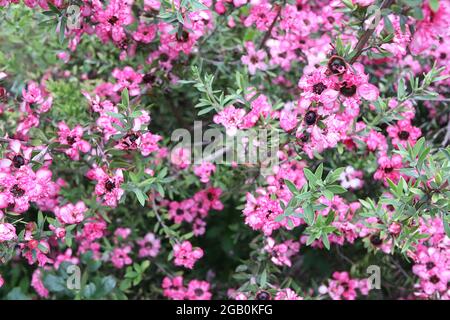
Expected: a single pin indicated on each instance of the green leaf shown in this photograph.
(334, 175)
(291, 187)
(325, 241)
(62, 30)
(125, 98)
(310, 176)
(108, 284)
(388, 24)
(417, 13)
(54, 283)
(308, 212)
(446, 225)
(263, 279)
(17, 294)
(142, 197)
(401, 89)
(89, 290)
(330, 218)
(434, 5)
(337, 189)
(328, 194)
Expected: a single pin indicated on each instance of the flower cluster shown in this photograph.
(349, 124)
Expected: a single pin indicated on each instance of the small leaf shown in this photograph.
(140, 196)
(434, 5)
(291, 187)
(125, 98)
(325, 241)
(263, 279)
(446, 225)
(310, 176)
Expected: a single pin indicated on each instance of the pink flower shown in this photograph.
(65, 257)
(342, 287)
(73, 138)
(351, 178)
(376, 141)
(149, 143)
(7, 232)
(145, 33)
(204, 171)
(71, 214)
(404, 133)
(19, 155)
(198, 290)
(430, 27)
(281, 253)
(262, 15)
(2, 281)
(108, 187)
(288, 120)
(181, 211)
(231, 118)
(149, 246)
(287, 294)
(127, 78)
(111, 21)
(368, 91)
(185, 255)
(120, 258)
(363, 3)
(388, 168)
(180, 157)
(254, 59)
(121, 234)
(173, 288)
(38, 285)
(318, 87)
(35, 99)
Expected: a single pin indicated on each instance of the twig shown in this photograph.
(368, 33)
(269, 32)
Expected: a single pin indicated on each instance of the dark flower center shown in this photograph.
(318, 88)
(261, 15)
(430, 265)
(443, 55)
(71, 140)
(337, 65)
(330, 19)
(254, 59)
(179, 212)
(113, 20)
(148, 78)
(434, 279)
(390, 207)
(403, 135)
(310, 118)
(263, 295)
(375, 240)
(16, 191)
(388, 169)
(348, 91)
(164, 57)
(305, 137)
(110, 185)
(198, 292)
(183, 36)
(18, 161)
